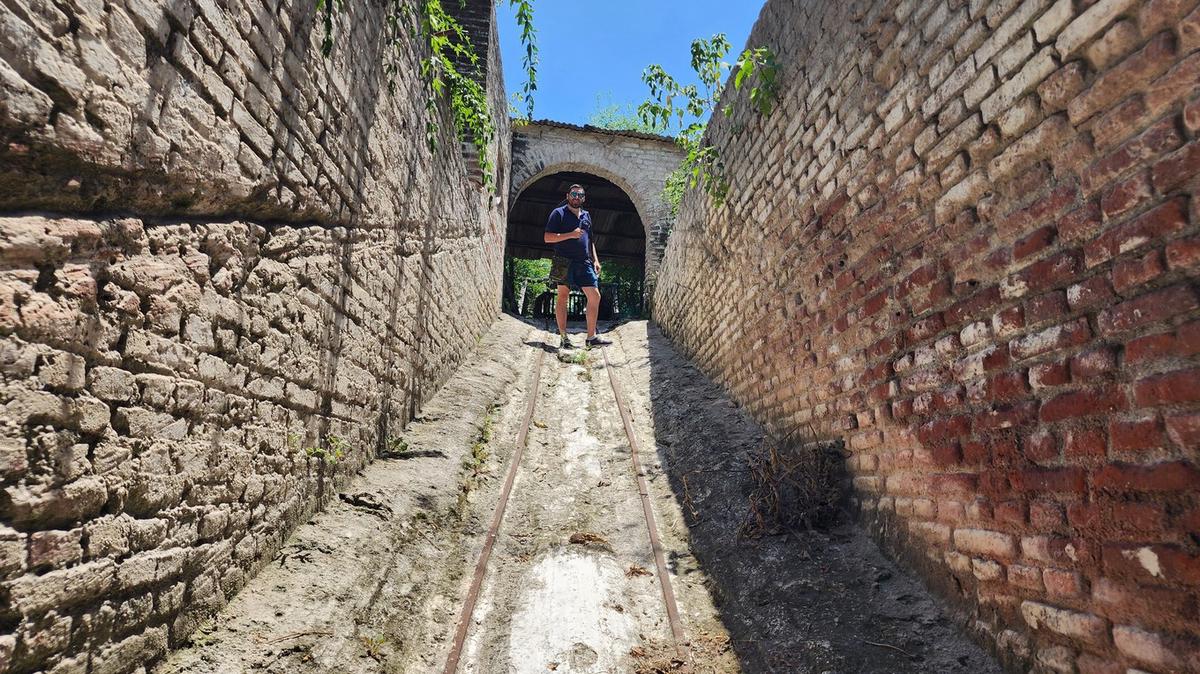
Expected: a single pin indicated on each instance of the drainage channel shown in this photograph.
(466, 615)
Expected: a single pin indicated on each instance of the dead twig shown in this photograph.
(894, 648)
(297, 635)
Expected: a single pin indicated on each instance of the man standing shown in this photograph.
(575, 263)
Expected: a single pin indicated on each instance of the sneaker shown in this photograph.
(564, 342)
(598, 341)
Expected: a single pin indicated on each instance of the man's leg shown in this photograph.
(560, 308)
(593, 309)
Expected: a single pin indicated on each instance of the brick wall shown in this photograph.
(967, 243)
(217, 249)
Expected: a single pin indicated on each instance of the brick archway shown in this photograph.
(636, 163)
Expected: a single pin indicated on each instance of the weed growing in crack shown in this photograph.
(475, 462)
(374, 645)
(396, 446)
(579, 357)
(203, 635)
(337, 450)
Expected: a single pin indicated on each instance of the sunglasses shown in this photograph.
(578, 194)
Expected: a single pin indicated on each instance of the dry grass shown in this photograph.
(588, 538)
(636, 570)
(796, 486)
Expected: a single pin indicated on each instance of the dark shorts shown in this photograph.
(574, 273)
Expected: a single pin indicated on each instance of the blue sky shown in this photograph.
(593, 48)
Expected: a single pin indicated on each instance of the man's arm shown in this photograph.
(595, 257)
(552, 236)
(555, 237)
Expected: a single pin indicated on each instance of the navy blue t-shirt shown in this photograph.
(562, 221)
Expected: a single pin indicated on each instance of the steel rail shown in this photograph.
(664, 578)
(464, 618)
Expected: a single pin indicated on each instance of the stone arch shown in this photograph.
(636, 163)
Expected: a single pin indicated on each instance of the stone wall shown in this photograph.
(224, 260)
(966, 243)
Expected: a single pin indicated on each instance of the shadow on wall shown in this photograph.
(792, 601)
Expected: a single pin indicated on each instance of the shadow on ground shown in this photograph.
(797, 602)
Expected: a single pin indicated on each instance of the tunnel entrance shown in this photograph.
(620, 238)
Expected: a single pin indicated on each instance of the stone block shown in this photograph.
(55, 549)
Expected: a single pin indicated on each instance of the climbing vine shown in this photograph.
(689, 107)
(449, 49)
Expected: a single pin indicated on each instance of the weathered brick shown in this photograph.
(1088, 24)
(983, 542)
(1086, 627)
(1110, 87)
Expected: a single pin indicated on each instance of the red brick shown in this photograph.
(1188, 521)
(1116, 519)
(1126, 195)
(1040, 446)
(981, 304)
(1062, 583)
(1051, 306)
(1010, 512)
(1046, 515)
(1129, 274)
(955, 484)
(1093, 364)
(1182, 343)
(1038, 241)
(1128, 435)
(1176, 168)
(1095, 291)
(1044, 375)
(1148, 309)
(1084, 443)
(1053, 272)
(1051, 339)
(1083, 403)
(1158, 223)
(1152, 563)
(1009, 416)
(1007, 386)
(1112, 86)
(1007, 322)
(946, 454)
(1081, 223)
(1027, 577)
(1120, 122)
(920, 278)
(974, 452)
(1184, 431)
(1057, 90)
(1184, 254)
(925, 328)
(1181, 386)
(1156, 15)
(1175, 86)
(1159, 138)
(1142, 518)
(1041, 211)
(1172, 476)
(1049, 479)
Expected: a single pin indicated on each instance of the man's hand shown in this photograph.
(596, 264)
(576, 233)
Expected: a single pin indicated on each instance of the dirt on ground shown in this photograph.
(808, 601)
(375, 583)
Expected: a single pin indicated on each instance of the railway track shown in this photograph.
(635, 474)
